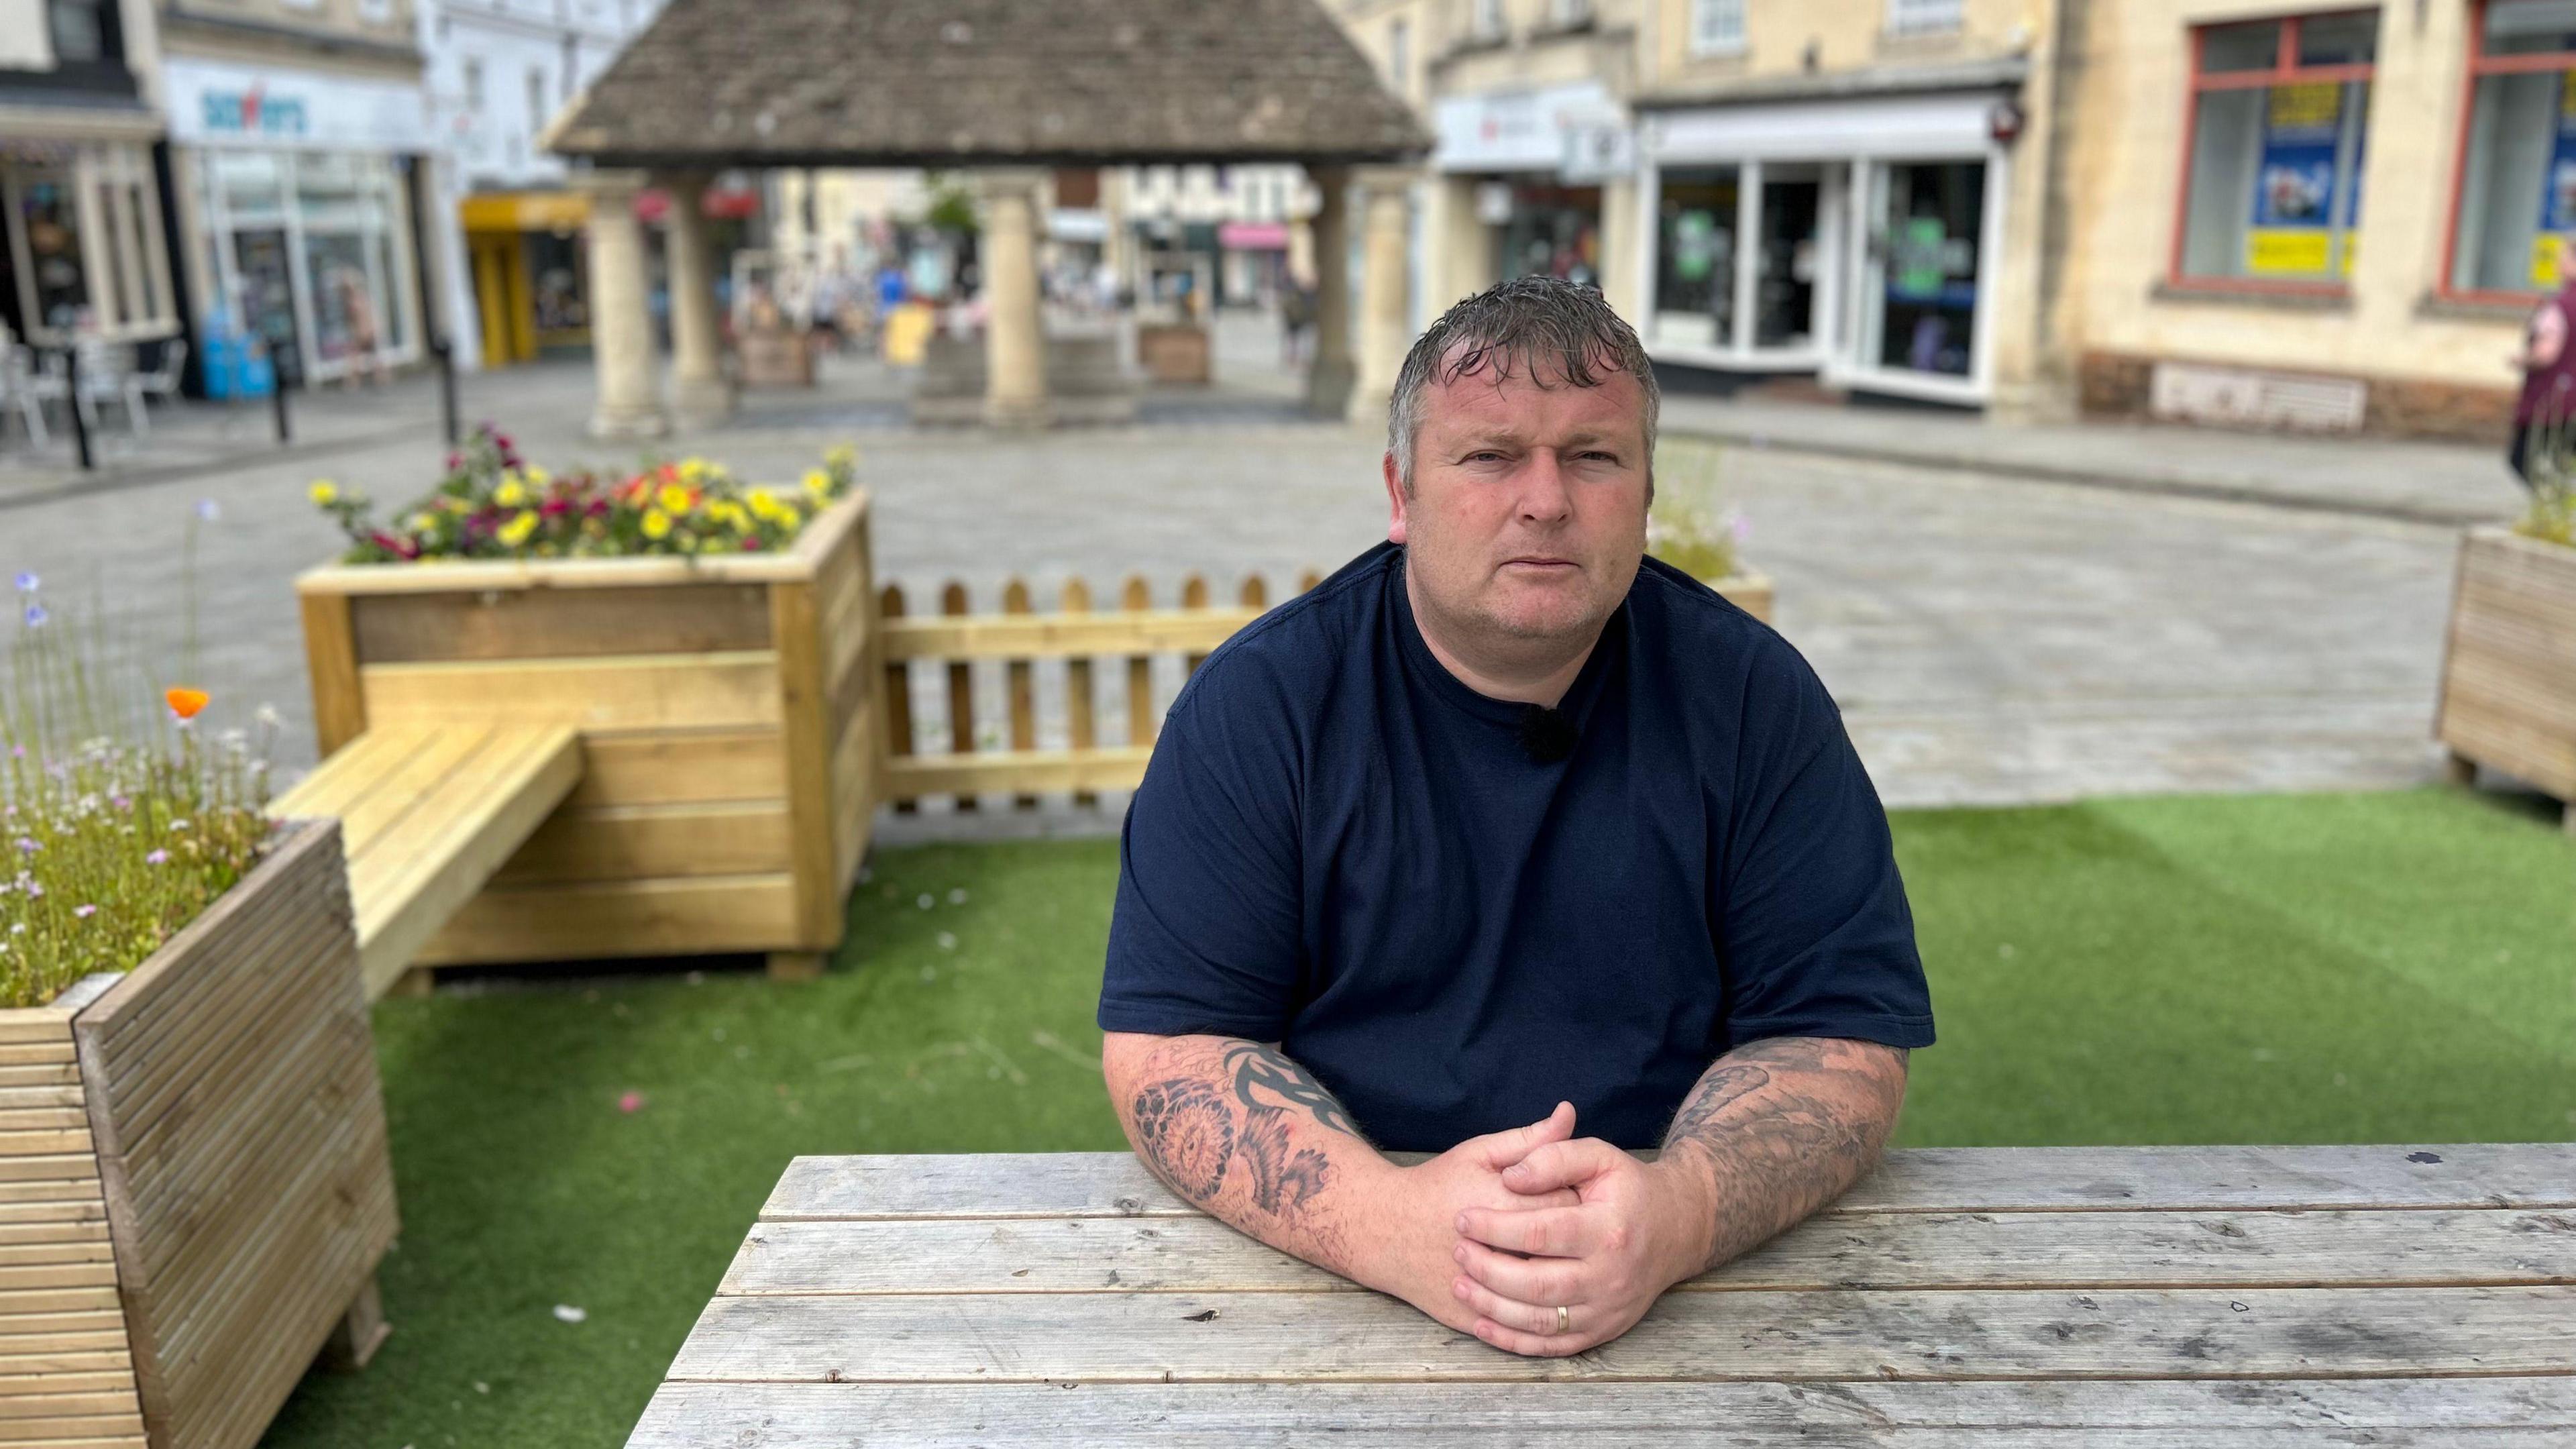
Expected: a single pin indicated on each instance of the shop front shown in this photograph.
(83, 255)
(1855, 239)
(530, 270)
(296, 183)
(1517, 162)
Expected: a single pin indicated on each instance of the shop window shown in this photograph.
(1717, 27)
(83, 32)
(55, 286)
(1489, 20)
(1695, 257)
(1924, 17)
(2273, 155)
(1399, 55)
(2516, 191)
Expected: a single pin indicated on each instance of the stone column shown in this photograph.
(1328, 380)
(701, 393)
(621, 323)
(1386, 324)
(1015, 385)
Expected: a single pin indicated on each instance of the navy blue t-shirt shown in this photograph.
(1341, 848)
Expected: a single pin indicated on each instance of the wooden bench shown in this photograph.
(428, 812)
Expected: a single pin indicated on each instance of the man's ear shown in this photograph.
(1394, 498)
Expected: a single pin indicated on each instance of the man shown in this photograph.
(2547, 406)
(1498, 818)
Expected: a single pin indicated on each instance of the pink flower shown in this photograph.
(631, 1102)
(158, 857)
(84, 912)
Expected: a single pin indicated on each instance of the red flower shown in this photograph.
(751, 545)
(402, 548)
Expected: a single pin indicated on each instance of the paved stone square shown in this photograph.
(1993, 639)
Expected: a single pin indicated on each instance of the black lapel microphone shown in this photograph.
(1547, 735)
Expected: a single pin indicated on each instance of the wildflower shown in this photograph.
(29, 845)
(516, 531)
(324, 492)
(268, 717)
(27, 583)
(36, 616)
(208, 510)
(84, 912)
(179, 824)
(185, 702)
(657, 524)
(818, 483)
(673, 498)
(158, 857)
(512, 493)
(841, 458)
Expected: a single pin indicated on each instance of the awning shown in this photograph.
(524, 211)
(1253, 236)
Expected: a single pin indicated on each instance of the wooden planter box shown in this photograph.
(725, 704)
(1175, 352)
(194, 1188)
(775, 359)
(2509, 666)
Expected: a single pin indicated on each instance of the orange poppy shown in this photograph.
(185, 702)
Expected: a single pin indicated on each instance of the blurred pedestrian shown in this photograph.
(2541, 415)
(1296, 317)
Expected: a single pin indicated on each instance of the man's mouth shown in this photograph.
(1538, 562)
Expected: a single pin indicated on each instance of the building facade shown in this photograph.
(297, 146)
(497, 73)
(2326, 217)
(85, 251)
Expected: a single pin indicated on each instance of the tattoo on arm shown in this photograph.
(1786, 1125)
(1192, 1136)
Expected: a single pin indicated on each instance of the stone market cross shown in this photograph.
(1004, 88)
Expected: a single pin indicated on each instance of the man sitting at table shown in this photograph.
(1505, 815)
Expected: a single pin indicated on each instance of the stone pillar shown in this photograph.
(701, 393)
(621, 322)
(1328, 380)
(1621, 285)
(1015, 386)
(1386, 324)
(1462, 245)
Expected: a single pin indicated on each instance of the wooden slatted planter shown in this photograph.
(726, 712)
(194, 1187)
(2509, 667)
(1079, 638)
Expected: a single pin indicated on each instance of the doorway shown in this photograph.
(1922, 287)
(1788, 259)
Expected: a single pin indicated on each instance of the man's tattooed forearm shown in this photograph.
(1192, 1136)
(1786, 1125)
(1257, 1068)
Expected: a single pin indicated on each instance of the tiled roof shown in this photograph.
(989, 82)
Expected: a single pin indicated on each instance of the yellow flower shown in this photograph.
(538, 477)
(423, 522)
(818, 483)
(324, 492)
(516, 531)
(657, 524)
(674, 498)
(693, 470)
(841, 459)
(764, 504)
(512, 493)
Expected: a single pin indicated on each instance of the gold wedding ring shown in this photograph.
(1562, 1318)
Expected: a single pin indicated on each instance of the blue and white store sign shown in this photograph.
(218, 103)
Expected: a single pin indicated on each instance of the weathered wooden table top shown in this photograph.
(2238, 1296)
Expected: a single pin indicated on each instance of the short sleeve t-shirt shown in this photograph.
(1342, 848)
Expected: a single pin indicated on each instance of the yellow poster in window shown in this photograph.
(2294, 220)
(2558, 191)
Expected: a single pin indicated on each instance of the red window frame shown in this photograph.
(2482, 65)
(2285, 70)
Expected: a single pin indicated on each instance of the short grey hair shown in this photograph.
(1549, 325)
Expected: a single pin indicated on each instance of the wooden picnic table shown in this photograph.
(2237, 1296)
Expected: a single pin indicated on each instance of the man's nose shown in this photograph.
(1545, 495)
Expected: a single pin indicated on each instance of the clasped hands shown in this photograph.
(1496, 1235)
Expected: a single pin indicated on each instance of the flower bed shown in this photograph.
(708, 639)
(192, 1139)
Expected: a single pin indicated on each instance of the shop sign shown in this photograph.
(217, 103)
(1598, 151)
(1517, 130)
(2294, 188)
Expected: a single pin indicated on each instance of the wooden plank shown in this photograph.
(1117, 767)
(1022, 688)
(1142, 721)
(855, 771)
(1082, 731)
(1919, 1179)
(1845, 1250)
(454, 844)
(736, 689)
(636, 842)
(1753, 1335)
(350, 774)
(1194, 598)
(620, 918)
(35, 1025)
(898, 690)
(31, 1054)
(561, 623)
(1139, 629)
(331, 666)
(806, 732)
(961, 692)
(436, 756)
(2255, 1414)
(680, 767)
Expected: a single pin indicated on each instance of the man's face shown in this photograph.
(1528, 513)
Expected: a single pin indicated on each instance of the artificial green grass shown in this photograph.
(2395, 967)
